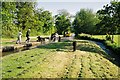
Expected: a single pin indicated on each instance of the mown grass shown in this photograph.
(57, 60)
(116, 38)
(90, 47)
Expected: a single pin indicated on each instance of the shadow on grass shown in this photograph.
(60, 46)
(68, 45)
(90, 48)
(82, 46)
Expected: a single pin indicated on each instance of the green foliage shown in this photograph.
(116, 38)
(23, 15)
(8, 11)
(62, 22)
(85, 22)
(113, 47)
(46, 17)
(109, 17)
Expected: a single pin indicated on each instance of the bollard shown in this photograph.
(74, 45)
(59, 39)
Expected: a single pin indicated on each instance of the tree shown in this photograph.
(38, 24)
(85, 22)
(47, 18)
(46, 21)
(109, 16)
(25, 15)
(8, 15)
(62, 22)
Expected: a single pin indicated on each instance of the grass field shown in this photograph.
(116, 38)
(57, 60)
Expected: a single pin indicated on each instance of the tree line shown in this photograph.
(23, 15)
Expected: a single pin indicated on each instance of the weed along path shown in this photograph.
(57, 60)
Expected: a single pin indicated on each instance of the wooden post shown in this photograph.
(74, 45)
(59, 39)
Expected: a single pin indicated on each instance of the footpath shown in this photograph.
(13, 47)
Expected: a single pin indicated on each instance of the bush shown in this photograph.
(112, 47)
(88, 37)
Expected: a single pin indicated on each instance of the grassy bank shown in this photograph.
(57, 60)
(101, 38)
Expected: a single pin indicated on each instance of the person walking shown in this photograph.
(27, 36)
(53, 37)
(19, 37)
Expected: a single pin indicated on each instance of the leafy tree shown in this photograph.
(109, 16)
(62, 22)
(47, 18)
(25, 15)
(85, 22)
(38, 24)
(8, 11)
(46, 21)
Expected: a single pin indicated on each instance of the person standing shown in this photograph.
(56, 37)
(27, 35)
(19, 37)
